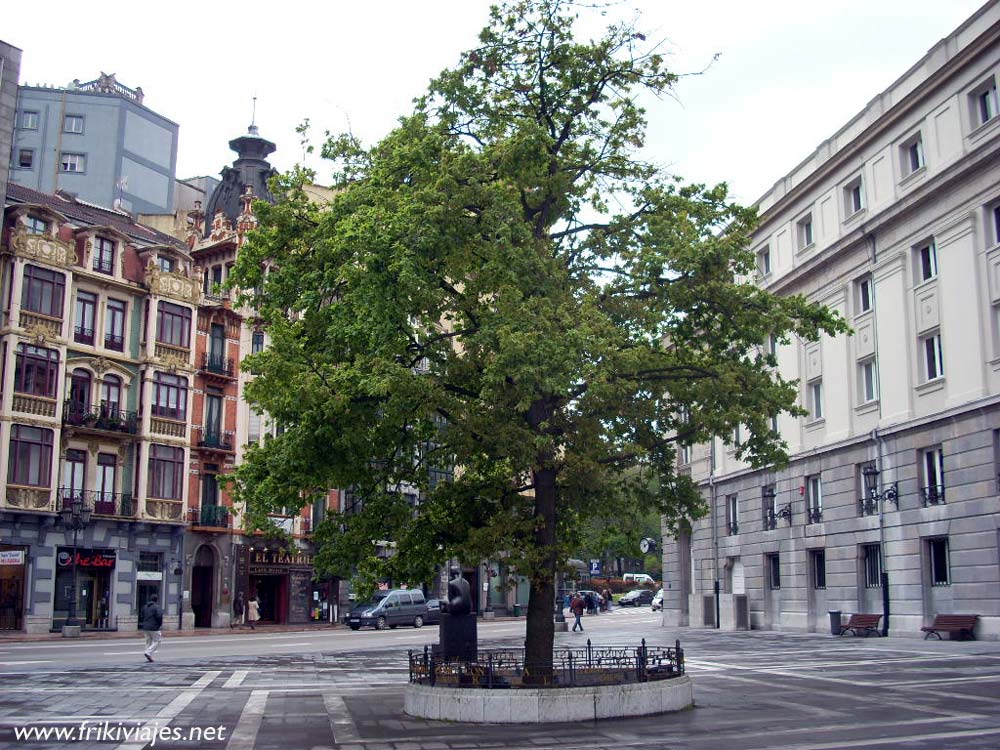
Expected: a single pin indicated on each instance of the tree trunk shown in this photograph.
(540, 631)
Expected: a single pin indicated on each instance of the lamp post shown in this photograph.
(891, 494)
(75, 515)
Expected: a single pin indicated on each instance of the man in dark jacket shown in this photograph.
(151, 622)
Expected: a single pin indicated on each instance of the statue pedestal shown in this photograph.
(458, 637)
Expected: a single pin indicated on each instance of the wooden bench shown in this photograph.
(862, 623)
(964, 625)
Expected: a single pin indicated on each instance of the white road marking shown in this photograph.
(237, 679)
(26, 661)
(169, 712)
(344, 729)
(244, 735)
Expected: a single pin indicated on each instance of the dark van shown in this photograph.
(389, 610)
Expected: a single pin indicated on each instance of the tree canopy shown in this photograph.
(501, 285)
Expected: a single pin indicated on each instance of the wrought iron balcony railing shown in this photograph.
(104, 417)
(104, 265)
(733, 527)
(83, 335)
(217, 364)
(211, 516)
(815, 515)
(867, 506)
(933, 495)
(120, 504)
(222, 440)
(112, 341)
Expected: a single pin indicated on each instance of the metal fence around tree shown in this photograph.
(571, 667)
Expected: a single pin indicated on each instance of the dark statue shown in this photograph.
(457, 631)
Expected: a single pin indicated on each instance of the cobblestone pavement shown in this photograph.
(752, 690)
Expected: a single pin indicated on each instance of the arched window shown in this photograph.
(36, 370)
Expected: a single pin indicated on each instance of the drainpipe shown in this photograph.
(715, 531)
(873, 257)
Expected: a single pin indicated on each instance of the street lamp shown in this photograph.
(75, 515)
(879, 498)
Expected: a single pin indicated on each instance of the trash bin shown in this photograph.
(517, 610)
(834, 622)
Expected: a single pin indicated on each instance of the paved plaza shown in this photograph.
(752, 690)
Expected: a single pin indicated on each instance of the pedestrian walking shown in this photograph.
(588, 600)
(253, 611)
(607, 599)
(152, 621)
(239, 610)
(576, 607)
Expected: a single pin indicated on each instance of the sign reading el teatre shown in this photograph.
(279, 559)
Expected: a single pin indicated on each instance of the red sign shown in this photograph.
(88, 558)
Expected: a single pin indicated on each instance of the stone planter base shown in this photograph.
(550, 705)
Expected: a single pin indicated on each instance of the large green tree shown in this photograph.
(502, 285)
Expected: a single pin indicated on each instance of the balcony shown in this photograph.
(29, 498)
(82, 335)
(117, 504)
(170, 427)
(31, 320)
(733, 528)
(216, 364)
(41, 406)
(211, 517)
(106, 418)
(169, 353)
(867, 506)
(814, 515)
(104, 265)
(933, 495)
(216, 440)
(114, 342)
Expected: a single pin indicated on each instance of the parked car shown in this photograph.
(636, 598)
(390, 609)
(433, 616)
(640, 578)
(657, 603)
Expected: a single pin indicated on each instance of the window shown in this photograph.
(36, 225)
(86, 307)
(111, 395)
(927, 266)
(79, 394)
(685, 455)
(43, 291)
(937, 555)
(817, 563)
(805, 232)
(107, 471)
(257, 342)
(865, 294)
(814, 499)
(210, 485)
(150, 562)
(767, 506)
(166, 263)
(816, 400)
(772, 566)
(933, 359)
(868, 381)
(253, 427)
(166, 471)
(764, 261)
(732, 515)
(996, 224)
(983, 102)
(104, 255)
(772, 345)
(73, 124)
(173, 325)
(911, 155)
(72, 162)
(872, 556)
(25, 158)
(28, 120)
(213, 417)
(217, 343)
(932, 474)
(867, 505)
(854, 197)
(737, 436)
(169, 396)
(30, 456)
(36, 371)
(74, 475)
(114, 325)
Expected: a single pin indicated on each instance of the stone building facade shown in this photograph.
(894, 222)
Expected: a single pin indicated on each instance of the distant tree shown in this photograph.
(503, 286)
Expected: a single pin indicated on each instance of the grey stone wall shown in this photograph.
(10, 69)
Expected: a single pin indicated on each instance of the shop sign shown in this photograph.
(88, 558)
(277, 558)
(12, 557)
(149, 575)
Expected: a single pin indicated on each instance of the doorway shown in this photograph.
(272, 594)
(202, 576)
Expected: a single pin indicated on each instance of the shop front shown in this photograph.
(282, 583)
(94, 574)
(13, 563)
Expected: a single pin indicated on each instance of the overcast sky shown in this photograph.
(789, 72)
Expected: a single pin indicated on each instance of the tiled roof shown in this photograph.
(90, 214)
